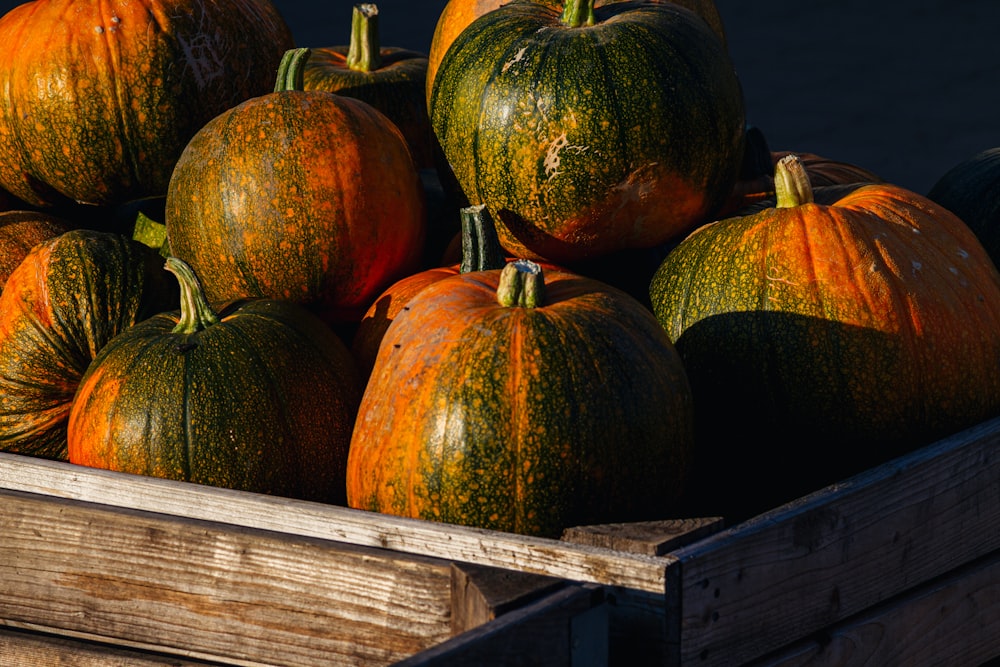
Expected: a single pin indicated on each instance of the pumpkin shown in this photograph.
(97, 100)
(589, 131)
(522, 400)
(69, 296)
(480, 251)
(258, 395)
(971, 190)
(305, 196)
(458, 14)
(824, 337)
(20, 231)
(389, 78)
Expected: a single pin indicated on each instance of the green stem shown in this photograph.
(481, 249)
(196, 314)
(791, 183)
(291, 69)
(578, 12)
(522, 283)
(364, 55)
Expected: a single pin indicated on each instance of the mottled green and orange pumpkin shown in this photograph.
(305, 196)
(258, 395)
(22, 230)
(824, 336)
(590, 130)
(523, 400)
(69, 296)
(97, 99)
(389, 78)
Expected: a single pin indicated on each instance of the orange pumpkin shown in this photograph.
(299, 195)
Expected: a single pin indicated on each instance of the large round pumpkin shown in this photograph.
(971, 190)
(823, 337)
(389, 78)
(258, 395)
(306, 196)
(522, 400)
(97, 99)
(69, 296)
(591, 130)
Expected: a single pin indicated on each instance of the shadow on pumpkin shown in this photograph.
(786, 404)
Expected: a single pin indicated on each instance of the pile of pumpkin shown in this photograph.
(545, 276)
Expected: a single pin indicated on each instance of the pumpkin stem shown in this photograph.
(578, 12)
(291, 69)
(791, 183)
(196, 314)
(522, 283)
(481, 249)
(364, 54)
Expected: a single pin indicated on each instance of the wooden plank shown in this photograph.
(950, 621)
(787, 573)
(654, 538)
(471, 545)
(215, 591)
(20, 647)
(480, 594)
(566, 628)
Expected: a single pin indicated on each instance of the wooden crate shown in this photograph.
(899, 565)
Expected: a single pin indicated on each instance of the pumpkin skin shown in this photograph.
(69, 296)
(480, 250)
(522, 419)
(822, 338)
(96, 108)
(458, 14)
(391, 79)
(304, 196)
(259, 395)
(20, 231)
(596, 138)
(971, 190)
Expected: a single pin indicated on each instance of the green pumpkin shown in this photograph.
(822, 337)
(69, 296)
(593, 130)
(257, 395)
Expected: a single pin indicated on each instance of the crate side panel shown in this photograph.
(954, 620)
(804, 566)
(214, 589)
(460, 543)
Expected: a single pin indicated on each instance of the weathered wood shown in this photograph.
(19, 647)
(213, 590)
(755, 587)
(653, 538)
(460, 543)
(565, 628)
(480, 594)
(950, 621)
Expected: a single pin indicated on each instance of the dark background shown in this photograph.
(906, 90)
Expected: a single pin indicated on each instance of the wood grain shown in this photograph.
(527, 554)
